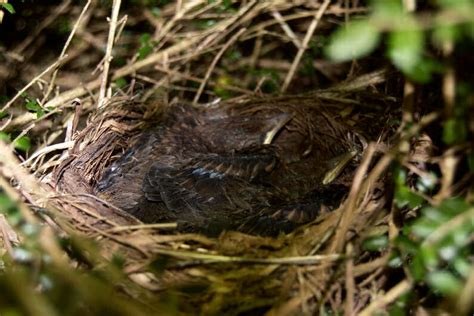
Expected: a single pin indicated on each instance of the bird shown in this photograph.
(259, 167)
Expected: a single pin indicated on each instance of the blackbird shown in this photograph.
(256, 167)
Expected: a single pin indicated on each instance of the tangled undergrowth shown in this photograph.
(400, 243)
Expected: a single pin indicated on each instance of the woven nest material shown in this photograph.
(235, 273)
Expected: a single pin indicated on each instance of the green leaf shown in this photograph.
(453, 206)
(121, 82)
(430, 258)
(8, 7)
(220, 89)
(395, 260)
(462, 266)
(144, 51)
(435, 214)
(426, 183)
(444, 282)
(404, 196)
(376, 243)
(454, 131)
(32, 106)
(145, 38)
(23, 143)
(469, 29)
(405, 49)
(406, 245)
(423, 227)
(462, 234)
(156, 11)
(400, 307)
(227, 3)
(146, 46)
(387, 9)
(456, 4)
(448, 252)
(356, 40)
(9, 208)
(6, 203)
(203, 24)
(417, 267)
(443, 33)
(400, 176)
(5, 137)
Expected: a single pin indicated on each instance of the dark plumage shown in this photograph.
(256, 168)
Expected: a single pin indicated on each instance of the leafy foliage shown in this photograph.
(8, 7)
(406, 36)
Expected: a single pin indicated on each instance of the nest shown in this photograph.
(235, 273)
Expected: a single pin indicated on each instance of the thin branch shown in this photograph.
(350, 282)
(104, 87)
(351, 203)
(289, 32)
(48, 149)
(394, 293)
(210, 258)
(303, 47)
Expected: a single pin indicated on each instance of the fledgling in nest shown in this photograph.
(259, 167)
